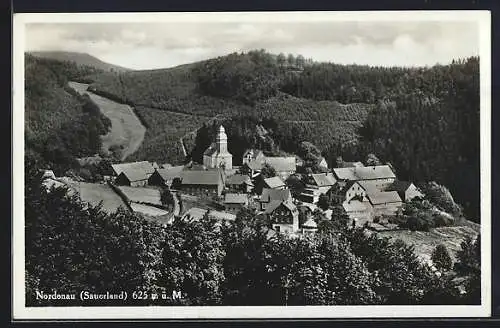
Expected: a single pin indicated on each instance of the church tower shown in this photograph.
(221, 141)
(217, 155)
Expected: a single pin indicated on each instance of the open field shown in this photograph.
(148, 210)
(142, 195)
(127, 130)
(425, 242)
(94, 193)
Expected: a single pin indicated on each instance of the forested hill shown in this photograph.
(80, 59)
(425, 121)
(60, 125)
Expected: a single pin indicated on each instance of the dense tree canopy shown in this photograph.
(60, 124)
(72, 246)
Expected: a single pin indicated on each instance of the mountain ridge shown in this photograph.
(80, 58)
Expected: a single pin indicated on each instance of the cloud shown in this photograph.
(168, 44)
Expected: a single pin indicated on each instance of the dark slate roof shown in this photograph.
(364, 173)
(282, 164)
(171, 172)
(323, 179)
(274, 182)
(133, 174)
(383, 197)
(235, 198)
(201, 177)
(400, 186)
(238, 179)
(354, 206)
(255, 165)
(269, 195)
(370, 186)
(274, 204)
(145, 166)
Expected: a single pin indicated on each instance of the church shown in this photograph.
(217, 154)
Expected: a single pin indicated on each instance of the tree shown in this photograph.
(372, 160)
(290, 59)
(441, 258)
(192, 261)
(281, 59)
(324, 202)
(339, 161)
(309, 153)
(267, 171)
(166, 196)
(295, 183)
(468, 265)
(339, 218)
(441, 197)
(300, 60)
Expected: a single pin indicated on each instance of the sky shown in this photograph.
(161, 45)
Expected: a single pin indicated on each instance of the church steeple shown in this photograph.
(221, 140)
(217, 155)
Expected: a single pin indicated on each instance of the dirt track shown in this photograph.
(127, 130)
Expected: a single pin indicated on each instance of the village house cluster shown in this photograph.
(220, 189)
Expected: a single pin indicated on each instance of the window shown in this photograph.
(277, 228)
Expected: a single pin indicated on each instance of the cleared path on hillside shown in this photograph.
(127, 130)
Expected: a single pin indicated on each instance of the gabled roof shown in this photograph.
(310, 224)
(323, 179)
(255, 165)
(354, 206)
(274, 204)
(255, 153)
(274, 182)
(145, 166)
(364, 173)
(196, 214)
(352, 164)
(322, 162)
(269, 195)
(48, 174)
(201, 177)
(235, 198)
(400, 186)
(370, 186)
(134, 174)
(238, 179)
(171, 172)
(291, 206)
(384, 197)
(282, 164)
(344, 187)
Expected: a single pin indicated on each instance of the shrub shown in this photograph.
(441, 258)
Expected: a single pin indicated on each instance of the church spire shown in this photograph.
(221, 140)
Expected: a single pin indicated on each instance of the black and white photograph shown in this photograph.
(251, 165)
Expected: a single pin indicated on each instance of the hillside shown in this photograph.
(60, 125)
(127, 132)
(422, 120)
(81, 59)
